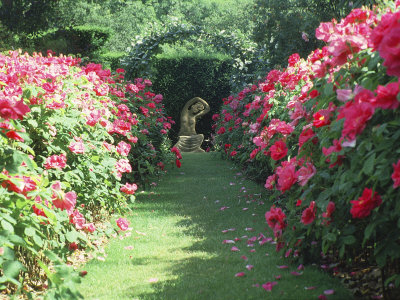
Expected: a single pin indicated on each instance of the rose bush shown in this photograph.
(323, 134)
(75, 143)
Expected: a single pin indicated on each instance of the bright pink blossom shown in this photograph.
(63, 200)
(123, 166)
(123, 148)
(286, 175)
(305, 173)
(270, 182)
(362, 207)
(386, 96)
(56, 162)
(123, 224)
(276, 220)
(396, 174)
(77, 147)
(13, 110)
(278, 150)
(77, 219)
(308, 214)
(128, 188)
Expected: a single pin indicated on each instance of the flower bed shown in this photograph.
(323, 134)
(75, 143)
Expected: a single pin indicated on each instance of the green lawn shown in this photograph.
(178, 250)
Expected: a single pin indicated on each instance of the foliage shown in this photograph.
(84, 40)
(138, 60)
(66, 129)
(180, 78)
(325, 130)
(287, 27)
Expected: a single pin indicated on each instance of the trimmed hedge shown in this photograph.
(180, 79)
(85, 40)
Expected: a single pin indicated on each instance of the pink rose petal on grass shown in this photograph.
(269, 285)
(282, 267)
(240, 274)
(277, 277)
(244, 257)
(235, 249)
(310, 287)
(224, 207)
(245, 208)
(153, 280)
(296, 273)
(253, 250)
(249, 267)
(322, 297)
(228, 242)
(128, 248)
(141, 233)
(300, 267)
(249, 229)
(329, 292)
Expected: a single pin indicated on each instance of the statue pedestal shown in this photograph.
(191, 143)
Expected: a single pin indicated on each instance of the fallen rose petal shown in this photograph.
(249, 229)
(128, 248)
(224, 207)
(249, 267)
(141, 233)
(235, 248)
(244, 208)
(282, 267)
(300, 267)
(277, 277)
(296, 273)
(253, 250)
(237, 239)
(244, 257)
(240, 274)
(269, 285)
(228, 242)
(256, 285)
(322, 297)
(310, 287)
(101, 258)
(329, 292)
(153, 280)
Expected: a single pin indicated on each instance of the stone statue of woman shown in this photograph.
(189, 140)
(193, 110)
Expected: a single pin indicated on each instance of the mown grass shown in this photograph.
(177, 243)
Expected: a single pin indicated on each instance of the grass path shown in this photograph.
(177, 250)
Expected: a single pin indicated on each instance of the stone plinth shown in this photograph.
(190, 143)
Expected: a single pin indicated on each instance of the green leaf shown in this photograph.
(72, 236)
(369, 164)
(330, 237)
(369, 230)
(30, 231)
(38, 240)
(7, 226)
(11, 269)
(349, 240)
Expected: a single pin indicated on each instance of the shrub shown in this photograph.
(69, 135)
(326, 130)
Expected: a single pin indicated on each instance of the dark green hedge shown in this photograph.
(180, 79)
(84, 40)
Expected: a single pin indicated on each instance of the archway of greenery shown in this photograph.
(242, 51)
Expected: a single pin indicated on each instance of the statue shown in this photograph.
(189, 140)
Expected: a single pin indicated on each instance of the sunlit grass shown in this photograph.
(177, 243)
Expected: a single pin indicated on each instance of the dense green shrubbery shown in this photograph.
(325, 133)
(74, 142)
